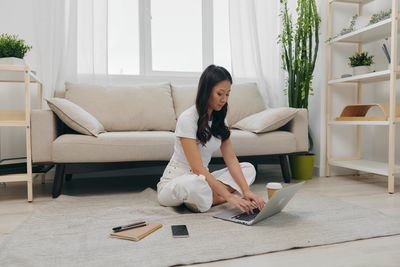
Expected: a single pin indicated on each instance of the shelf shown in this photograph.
(371, 123)
(15, 73)
(13, 118)
(356, 114)
(376, 76)
(367, 34)
(365, 166)
(15, 67)
(19, 73)
(23, 177)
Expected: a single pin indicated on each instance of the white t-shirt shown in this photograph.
(186, 126)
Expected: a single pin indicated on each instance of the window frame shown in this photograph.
(145, 48)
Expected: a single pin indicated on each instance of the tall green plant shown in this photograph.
(300, 41)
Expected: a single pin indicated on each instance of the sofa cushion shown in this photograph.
(250, 144)
(75, 117)
(184, 97)
(267, 120)
(114, 147)
(244, 100)
(123, 108)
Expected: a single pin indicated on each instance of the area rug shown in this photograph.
(74, 231)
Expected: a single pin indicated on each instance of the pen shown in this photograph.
(129, 226)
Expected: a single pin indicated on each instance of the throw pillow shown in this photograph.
(267, 120)
(75, 117)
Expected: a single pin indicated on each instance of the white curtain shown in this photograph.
(92, 50)
(62, 46)
(54, 38)
(79, 54)
(254, 27)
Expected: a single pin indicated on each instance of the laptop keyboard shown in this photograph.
(247, 217)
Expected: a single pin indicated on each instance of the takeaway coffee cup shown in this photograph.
(272, 188)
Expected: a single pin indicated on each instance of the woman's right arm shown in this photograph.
(192, 154)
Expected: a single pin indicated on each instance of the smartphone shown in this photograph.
(179, 231)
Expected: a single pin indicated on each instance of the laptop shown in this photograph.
(272, 207)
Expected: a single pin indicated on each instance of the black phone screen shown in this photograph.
(179, 231)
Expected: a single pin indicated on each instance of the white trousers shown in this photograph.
(180, 186)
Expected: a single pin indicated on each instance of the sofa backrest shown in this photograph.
(244, 100)
(126, 108)
(184, 97)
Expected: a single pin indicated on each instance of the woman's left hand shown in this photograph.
(257, 200)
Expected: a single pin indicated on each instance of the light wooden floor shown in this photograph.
(366, 190)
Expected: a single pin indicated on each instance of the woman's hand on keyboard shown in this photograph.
(241, 203)
(257, 201)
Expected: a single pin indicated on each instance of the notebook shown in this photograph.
(136, 234)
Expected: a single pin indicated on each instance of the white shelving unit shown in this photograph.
(383, 29)
(15, 118)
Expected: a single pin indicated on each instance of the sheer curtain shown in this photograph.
(79, 54)
(254, 27)
(92, 49)
(54, 40)
(66, 52)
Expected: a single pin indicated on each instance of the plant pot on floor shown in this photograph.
(360, 70)
(302, 166)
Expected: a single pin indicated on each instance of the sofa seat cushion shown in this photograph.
(250, 144)
(126, 108)
(113, 147)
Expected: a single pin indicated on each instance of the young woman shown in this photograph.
(200, 131)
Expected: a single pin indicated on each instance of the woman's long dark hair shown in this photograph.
(209, 78)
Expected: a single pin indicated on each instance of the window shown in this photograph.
(222, 47)
(152, 38)
(176, 35)
(123, 37)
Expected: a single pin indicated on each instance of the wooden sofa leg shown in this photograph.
(284, 161)
(58, 180)
(68, 177)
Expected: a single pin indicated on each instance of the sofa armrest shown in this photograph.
(44, 132)
(299, 127)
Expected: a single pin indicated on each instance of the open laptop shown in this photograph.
(272, 207)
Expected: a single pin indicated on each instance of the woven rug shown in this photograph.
(74, 231)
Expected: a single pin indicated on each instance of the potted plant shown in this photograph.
(381, 15)
(12, 49)
(300, 41)
(361, 63)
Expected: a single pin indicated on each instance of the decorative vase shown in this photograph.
(360, 70)
(302, 166)
(11, 61)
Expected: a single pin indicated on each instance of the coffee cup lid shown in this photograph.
(274, 185)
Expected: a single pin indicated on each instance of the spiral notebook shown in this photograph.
(137, 234)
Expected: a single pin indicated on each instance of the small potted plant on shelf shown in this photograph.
(361, 63)
(381, 15)
(300, 41)
(12, 49)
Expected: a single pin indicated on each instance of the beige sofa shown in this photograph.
(140, 122)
